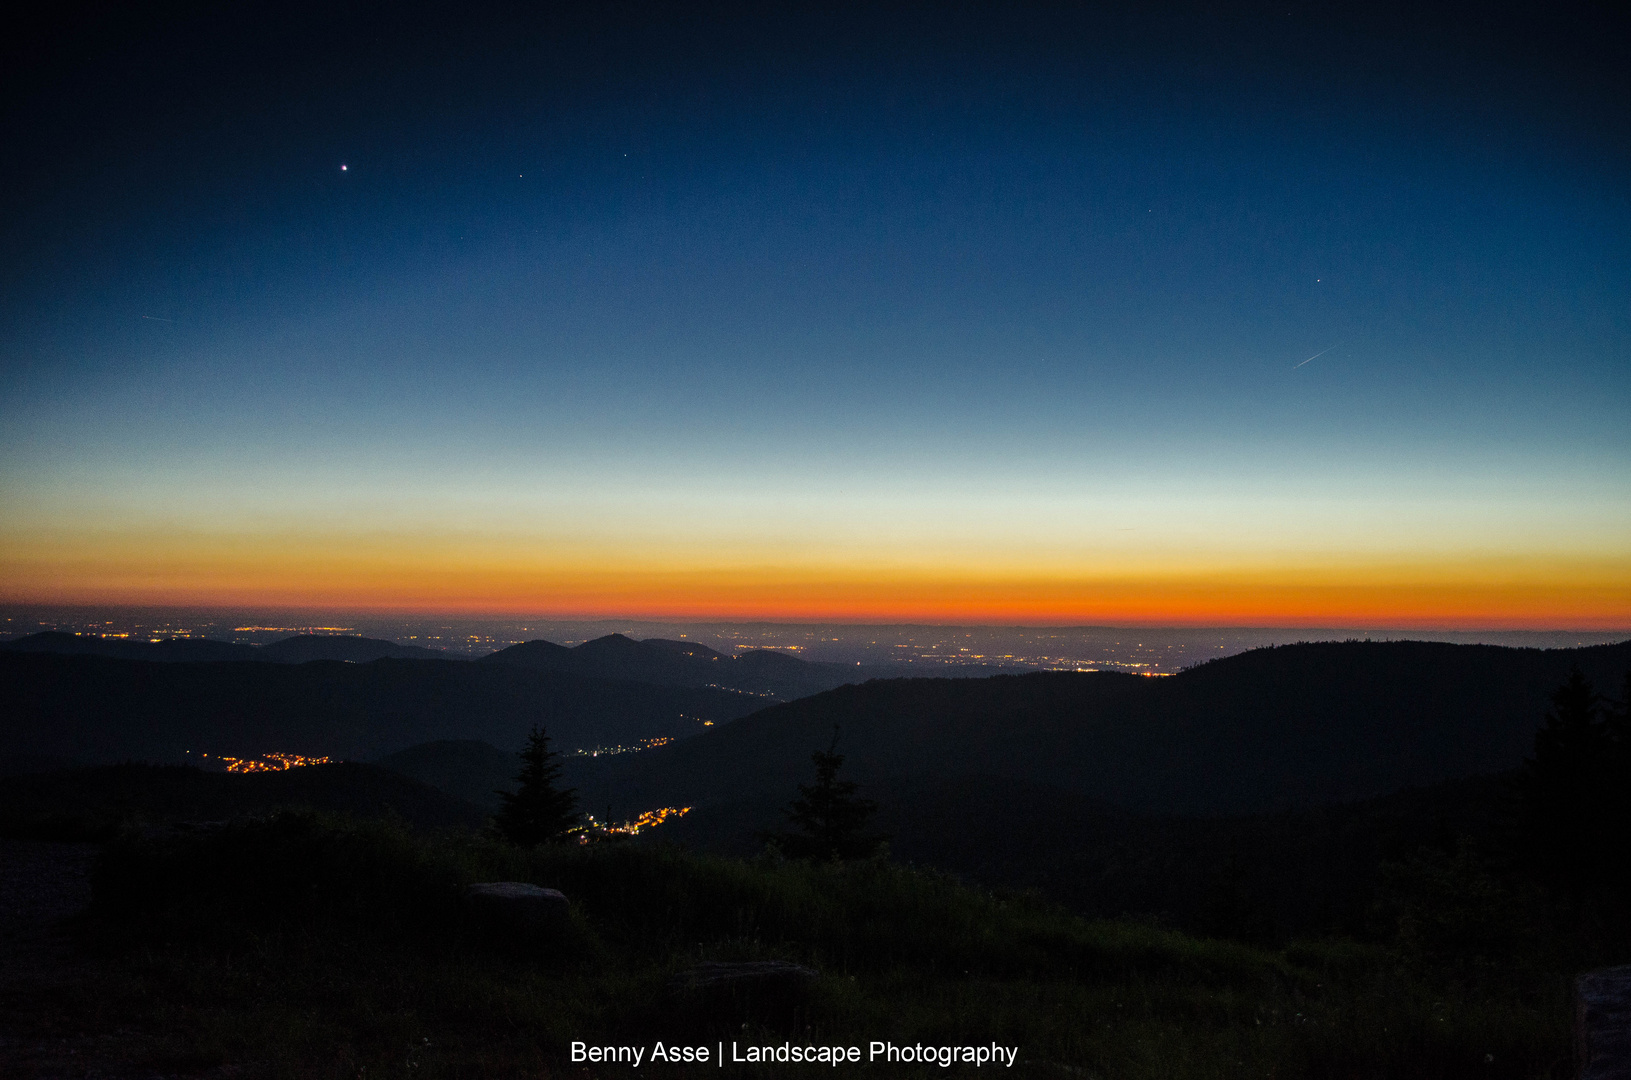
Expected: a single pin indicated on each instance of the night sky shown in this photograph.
(1278, 315)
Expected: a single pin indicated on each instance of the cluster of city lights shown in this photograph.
(739, 690)
(268, 762)
(643, 744)
(595, 829)
(292, 629)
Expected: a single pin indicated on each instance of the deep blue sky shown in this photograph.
(948, 287)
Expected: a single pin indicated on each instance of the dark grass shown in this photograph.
(311, 946)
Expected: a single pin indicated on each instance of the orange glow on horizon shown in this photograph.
(1311, 590)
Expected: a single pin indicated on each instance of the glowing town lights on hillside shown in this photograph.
(599, 830)
(268, 762)
(643, 744)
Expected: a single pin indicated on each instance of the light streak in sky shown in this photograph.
(1316, 356)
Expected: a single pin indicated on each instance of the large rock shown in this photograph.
(1602, 1024)
(514, 910)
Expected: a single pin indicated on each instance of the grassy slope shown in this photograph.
(302, 946)
(1263, 877)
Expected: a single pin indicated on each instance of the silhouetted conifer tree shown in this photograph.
(830, 817)
(536, 811)
(1568, 796)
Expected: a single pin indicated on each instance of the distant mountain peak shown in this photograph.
(610, 643)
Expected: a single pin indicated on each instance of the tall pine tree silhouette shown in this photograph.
(830, 817)
(537, 810)
(1568, 790)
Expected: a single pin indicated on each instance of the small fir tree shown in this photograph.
(537, 810)
(830, 817)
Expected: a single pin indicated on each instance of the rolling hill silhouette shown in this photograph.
(300, 649)
(93, 709)
(169, 650)
(1251, 795)
(1272, 729)
(664, 662)
(468, 769)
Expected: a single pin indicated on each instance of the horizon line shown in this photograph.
(668, 619)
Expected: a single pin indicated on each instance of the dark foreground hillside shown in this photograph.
(306, 947)
(1261, 877)
(1272, 729)
(91, 709)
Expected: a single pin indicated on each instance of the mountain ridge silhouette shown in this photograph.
(85, 709)
(1270, 729)
(667, 662)
(299, 649)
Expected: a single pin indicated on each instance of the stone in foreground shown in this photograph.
(515, 909)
